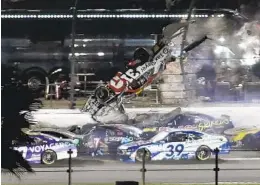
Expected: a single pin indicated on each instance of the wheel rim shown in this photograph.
(48, 158)
(203, 154)
(34, 83)
(140, 154)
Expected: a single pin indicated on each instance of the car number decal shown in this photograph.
(174, 149)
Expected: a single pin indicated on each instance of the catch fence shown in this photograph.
(170, 89)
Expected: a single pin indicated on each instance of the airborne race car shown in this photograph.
(176, 144)
(106, 104)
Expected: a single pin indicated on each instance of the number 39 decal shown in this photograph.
(174, 149)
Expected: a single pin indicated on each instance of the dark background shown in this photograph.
(39, 46)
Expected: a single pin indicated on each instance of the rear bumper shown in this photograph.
(65, 155)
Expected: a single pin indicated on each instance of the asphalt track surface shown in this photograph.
(236, 167)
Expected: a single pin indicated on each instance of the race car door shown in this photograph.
(27, 149)
(175, 145)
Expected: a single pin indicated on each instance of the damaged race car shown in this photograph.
(186, 120)
(46, 149)
(244, 138)
(106, 104)
(103, 140)
(176, 144)
(64, 134)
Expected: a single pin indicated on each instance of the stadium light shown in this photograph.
(103, 16)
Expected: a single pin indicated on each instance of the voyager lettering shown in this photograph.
(41, 148)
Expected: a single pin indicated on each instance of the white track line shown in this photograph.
(241, 159)
(219, 183)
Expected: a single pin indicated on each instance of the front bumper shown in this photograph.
(224, 148)
(125, 158)
(125, 155)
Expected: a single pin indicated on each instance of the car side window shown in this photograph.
(176, 121)
(193, 136)
(188, 119)
(110, 132)
(177, 137)
(37, 141)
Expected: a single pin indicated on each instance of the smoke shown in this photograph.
(234, 44)
(154, 119)
(249, 38)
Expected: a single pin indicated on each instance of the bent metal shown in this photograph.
(41, 148)
(159, 56)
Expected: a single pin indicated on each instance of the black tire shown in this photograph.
(139, 155)
(203, 153)
(48, 157)
(35, 81)
(102, 93)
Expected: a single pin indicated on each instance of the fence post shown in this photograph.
(143, 170)
(69, 171)
(216, 169)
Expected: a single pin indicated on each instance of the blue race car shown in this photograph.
(175, 144)
(46, 149)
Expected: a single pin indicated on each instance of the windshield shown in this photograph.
(160, 136)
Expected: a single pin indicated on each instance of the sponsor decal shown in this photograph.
(203, 125)
(115, 138)
(120, 81)
(165, 128)
(41, 148)
(208, 124)
(153, 129)
(162, 54)
(188, 127)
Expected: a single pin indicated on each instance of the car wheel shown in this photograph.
(35, 81)
(140, 153)
(49, 157)
(203, 153)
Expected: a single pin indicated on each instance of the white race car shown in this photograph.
(46, 149)
(175, 144)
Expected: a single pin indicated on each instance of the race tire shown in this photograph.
(203, 153)
(36, 81)
(102, 93)
(139, 155)
(48, 157)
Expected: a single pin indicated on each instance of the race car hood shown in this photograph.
(134, 144)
